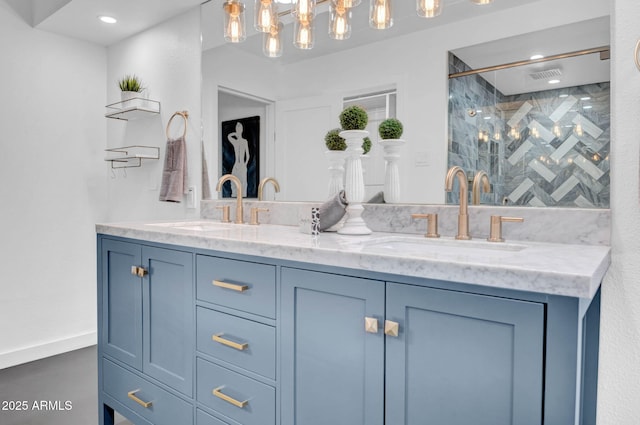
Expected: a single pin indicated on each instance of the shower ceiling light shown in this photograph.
(108, 19)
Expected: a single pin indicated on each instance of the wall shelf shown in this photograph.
(131, 156)
(133, 109)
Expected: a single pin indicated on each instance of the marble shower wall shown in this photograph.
(548, 148)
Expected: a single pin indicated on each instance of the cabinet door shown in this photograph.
(332, 369)
(463, 359)
(168, 323)
(121, 336)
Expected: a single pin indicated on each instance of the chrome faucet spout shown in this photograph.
(263, 182)
(236, 181)
(463, 217)
(480, 181)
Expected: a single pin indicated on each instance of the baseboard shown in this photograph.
(48, 349)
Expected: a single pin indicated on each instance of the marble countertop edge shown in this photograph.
(554, 269)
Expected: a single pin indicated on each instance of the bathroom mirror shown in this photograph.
(301, 94)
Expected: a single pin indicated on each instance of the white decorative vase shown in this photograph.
(336, 171)
(391, 148)
(354, 184)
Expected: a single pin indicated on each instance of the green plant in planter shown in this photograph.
(130, 83)
(354, 118)
(390, 128)
(366, 145)
(333, 140)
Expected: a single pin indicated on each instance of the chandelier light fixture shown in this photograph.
(266, 19)
(265, 13)
(234, 27)
(340, 21)
(428, 8)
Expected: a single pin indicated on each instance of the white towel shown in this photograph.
(174, 174)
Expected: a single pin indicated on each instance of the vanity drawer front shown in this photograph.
(134, 392)
(240, 398)
(241, 285)
(206, 419)
(244, 343)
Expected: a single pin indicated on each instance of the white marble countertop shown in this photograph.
(556, 269)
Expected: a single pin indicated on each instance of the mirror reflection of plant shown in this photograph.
(333, 140)
(354, 118)
(390, 128)
(366, 145)
(130, 83)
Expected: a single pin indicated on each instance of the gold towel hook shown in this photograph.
(185, 117)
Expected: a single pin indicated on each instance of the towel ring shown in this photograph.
(185, 116)
(636, 52)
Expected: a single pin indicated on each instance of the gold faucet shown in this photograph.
(463, 217)
(480, 181)
(264, 181)
(235, 180)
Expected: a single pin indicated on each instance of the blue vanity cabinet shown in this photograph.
(436, 356)
(146, 331)
(461, 358)
(332, 368)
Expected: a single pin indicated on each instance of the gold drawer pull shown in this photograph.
(232, 286)
(221, 395)
(232, 344)
(132, 396)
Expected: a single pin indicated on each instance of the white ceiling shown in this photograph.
(78, 18)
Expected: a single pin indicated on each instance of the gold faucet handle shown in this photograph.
(225, 213)
(495, 232)
(432, 224)
(254, 215)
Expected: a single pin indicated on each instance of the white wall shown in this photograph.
(619, 372)
(52, 189)
(167, 59)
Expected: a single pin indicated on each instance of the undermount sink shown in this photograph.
(203, 226)
(439, 247)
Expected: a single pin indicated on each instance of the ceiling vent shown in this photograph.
(546, 74)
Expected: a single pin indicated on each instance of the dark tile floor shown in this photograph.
(59, 390)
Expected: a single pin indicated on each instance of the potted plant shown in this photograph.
(130, 87)
(354, 118)
(333, 140)
(390, 128)
(390, 131)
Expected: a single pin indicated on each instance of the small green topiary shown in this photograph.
(354, 118)
(390, 128)
(333, 140)
(366, 145)
(130, 83)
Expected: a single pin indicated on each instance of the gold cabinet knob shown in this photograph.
(139, 271)
(495, 231)
(391, 328)
(371, 325)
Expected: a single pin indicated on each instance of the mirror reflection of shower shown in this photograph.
(539, 128)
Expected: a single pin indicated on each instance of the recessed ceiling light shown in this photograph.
(534, 57)
(108, 19)
(554, 81)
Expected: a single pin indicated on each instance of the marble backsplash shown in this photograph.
(552, 225)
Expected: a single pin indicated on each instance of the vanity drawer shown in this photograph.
(241, 342)
(144, 398)
(240, 398)
(241, 285)
(206, 419)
